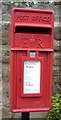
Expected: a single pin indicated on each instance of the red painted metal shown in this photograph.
(31, 31)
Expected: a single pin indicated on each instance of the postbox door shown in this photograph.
(25, 100)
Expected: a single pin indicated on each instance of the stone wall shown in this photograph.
(0, 63)
(5, 22)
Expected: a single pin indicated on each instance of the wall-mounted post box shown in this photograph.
(31, 54)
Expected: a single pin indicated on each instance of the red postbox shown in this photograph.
(31, 54)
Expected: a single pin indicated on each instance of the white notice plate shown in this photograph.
(32, 77)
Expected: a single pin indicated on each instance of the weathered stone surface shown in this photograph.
(55, 90)
(57, 45)
(5, 52)
(16, 115)
(38, 115)
(56, 64)
(5, 79)
(5, 33)
(5, 59)
(0, 112)
(5, 95)
(60, 72)
(60, 60)
(5, 71)
(6, 26)
(56, 72)
(57, 33)
(5, 56)
(5, 41)
(0, 94)
(57, 80)
(0, 34)
(56, 59)
(57, 84)
(5, 101)
(5, 29)
(0, 54)
(5, 47)
(0, 40)
(55, 68)
(6, 17)
(60, 46)
(6, 112)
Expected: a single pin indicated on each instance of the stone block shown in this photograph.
(5, 100)
(5, 71)
(0, 93)
(5, 41)
(5, 52)
(56, 72)
(16, 115)
(5, 47)
(6, 112)
(5, 56)
(6, 17)
(56, 68)
(38, 115)
(6, 26)
(5, 89)
(55, 90)
(57, 45)
(5, 33)
(0, 34)
(56, 59)
(60, 60)
(0, 71)
(0, 53)
(60, 73)
(5, 79)
(57, 33)
(0, 40)
(57, 80)
(5, 59)
(0, 112)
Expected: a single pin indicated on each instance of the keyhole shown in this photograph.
(20, 79)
